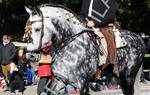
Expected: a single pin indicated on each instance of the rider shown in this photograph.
(100, 14)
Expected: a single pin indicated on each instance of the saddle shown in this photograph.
(108, 42)
(107, 46)
(109, 39)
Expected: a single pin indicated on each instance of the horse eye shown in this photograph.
(37, 30)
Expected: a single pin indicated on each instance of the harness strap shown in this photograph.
(69, 39)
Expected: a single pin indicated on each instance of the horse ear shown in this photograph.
(28, 10)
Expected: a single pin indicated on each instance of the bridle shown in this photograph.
(49, 44)
(46, 48)
(42, 30)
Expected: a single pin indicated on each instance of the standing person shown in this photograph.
(148, 45)
(30, 73)
(100, 14)
(8, 53)
(44, 72)
(30, 70)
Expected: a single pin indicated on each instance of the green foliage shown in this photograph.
(132, 14)
(148, 3)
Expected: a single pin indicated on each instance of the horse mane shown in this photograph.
(63, 29)
(63, 26)
(63, 7)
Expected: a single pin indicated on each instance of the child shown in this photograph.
(22, 63)
(31, 73)
(16, 80)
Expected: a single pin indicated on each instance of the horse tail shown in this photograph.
(137, 89)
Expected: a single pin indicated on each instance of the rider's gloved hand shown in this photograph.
(90, 24)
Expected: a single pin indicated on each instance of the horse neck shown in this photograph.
(65, 29)
(66, 25)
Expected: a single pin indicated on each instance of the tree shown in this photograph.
(132, 14)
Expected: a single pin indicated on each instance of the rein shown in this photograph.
(58, 43)
(68, 40)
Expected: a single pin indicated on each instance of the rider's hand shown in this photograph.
(90, 24)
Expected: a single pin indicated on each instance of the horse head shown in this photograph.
(49, 25)
(38, 29)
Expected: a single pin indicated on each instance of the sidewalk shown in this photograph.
(144, 88)
(30, 90)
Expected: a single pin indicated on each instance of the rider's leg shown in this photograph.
(99, 70)
(98, 73)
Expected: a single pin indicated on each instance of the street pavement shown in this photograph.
(145, 90)
(31, 90)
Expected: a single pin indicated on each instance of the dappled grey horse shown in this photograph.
(75, 52)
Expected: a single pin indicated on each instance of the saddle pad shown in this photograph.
(120, 41)
(103, 47)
